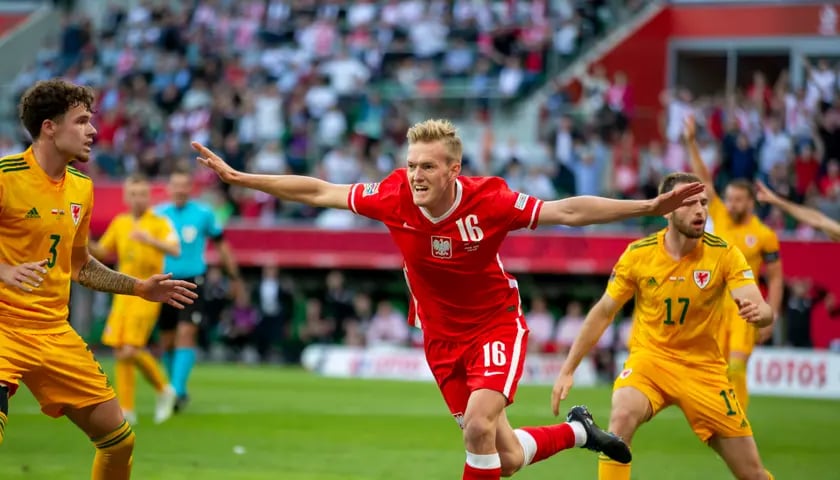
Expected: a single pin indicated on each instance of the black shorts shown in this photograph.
(170, 316)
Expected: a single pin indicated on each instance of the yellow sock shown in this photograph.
(151, 369)
(2, 426)
(770, 475)
(611, 470)
(125, 382)
(114, 454)
(738, 378)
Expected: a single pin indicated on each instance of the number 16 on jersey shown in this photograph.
(469, 229)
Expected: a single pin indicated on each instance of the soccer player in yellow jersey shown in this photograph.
(803, 214)
(681, 278)
(733, 220)
(45, 210)
(140, 238)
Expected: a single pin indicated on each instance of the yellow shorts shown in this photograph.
(58, 368)
(705, 396)
(131, 322)
(736, 335)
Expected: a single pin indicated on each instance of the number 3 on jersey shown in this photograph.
(469, 229)
(53, 252)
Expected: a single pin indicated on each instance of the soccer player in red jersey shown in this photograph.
(449, 229)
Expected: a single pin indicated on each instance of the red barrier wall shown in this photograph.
(8, 21)
(544, 251)
(540, 252)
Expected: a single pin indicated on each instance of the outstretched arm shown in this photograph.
(588, 210)
(307, 190)
(92, 274)
(697, 165)
(801, 213)
(597, 321)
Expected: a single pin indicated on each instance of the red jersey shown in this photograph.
(456, 280)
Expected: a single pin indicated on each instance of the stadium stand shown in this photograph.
(303, 87)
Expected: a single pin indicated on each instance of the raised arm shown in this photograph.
(597, 321)
(697, 165)
(801, 213)
(307, 190)
(589, 210)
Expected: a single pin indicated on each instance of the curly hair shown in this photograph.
(50, 100)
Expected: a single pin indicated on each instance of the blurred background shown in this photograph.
(559, 97)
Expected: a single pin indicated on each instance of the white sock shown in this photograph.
(529, 445)
(484, 462)
(580, 433)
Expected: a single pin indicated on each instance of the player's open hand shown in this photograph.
(25, 276)
(748, 310)
(689, 128)
(560, 391)
(676, 198)
(764, 194)
(214, 162)
(161, 288)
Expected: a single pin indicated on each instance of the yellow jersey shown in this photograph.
(757, 241)
(41, 218)
(678, 303)
(136, 258)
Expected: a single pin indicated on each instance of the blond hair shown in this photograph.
(435, 130)
(136, 178)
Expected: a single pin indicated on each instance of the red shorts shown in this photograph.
(492, 360)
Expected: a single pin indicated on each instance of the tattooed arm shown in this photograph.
(89, 272)
(157, 288)
(92, 274)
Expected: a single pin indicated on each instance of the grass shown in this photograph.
(296, 426)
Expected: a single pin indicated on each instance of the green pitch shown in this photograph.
(269, 423)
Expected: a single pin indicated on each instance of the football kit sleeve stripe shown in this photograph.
(535, 214)
(351, 201)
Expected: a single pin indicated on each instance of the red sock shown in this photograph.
(550, 439)
(482, 467)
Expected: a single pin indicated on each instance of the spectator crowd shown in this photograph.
(295, 85)
(787, 137)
